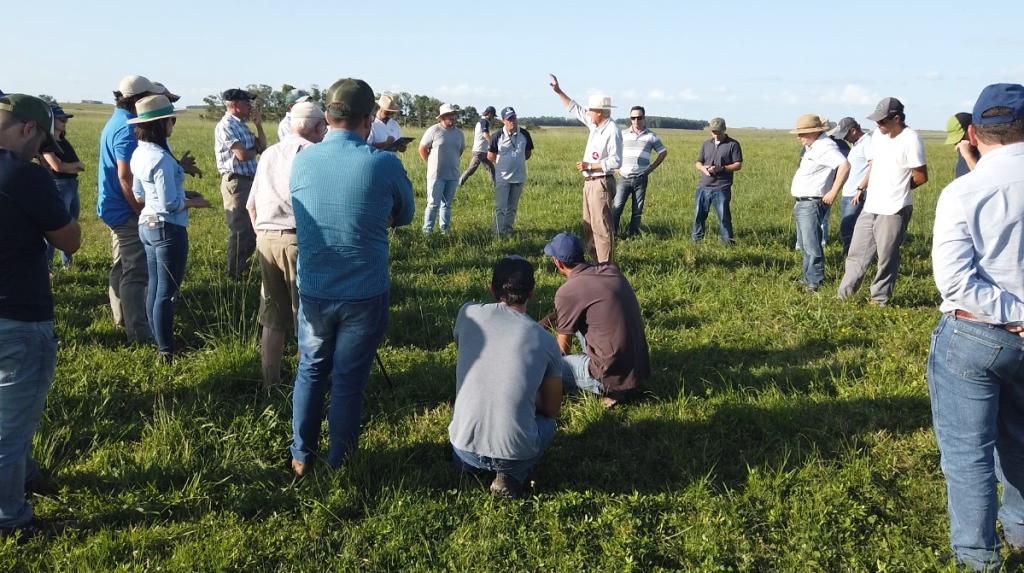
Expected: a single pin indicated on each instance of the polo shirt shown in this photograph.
(604, 144)
(636, 151)
(117, 143)
(345, 193)
(860, 160)
(229, 131)
(726, 152)
(482, 129)
(29, 206)
(816, 173)
(445, 147)
(511, 150)
(599, 302)
(893, 160)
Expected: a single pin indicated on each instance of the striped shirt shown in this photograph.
(344, 193)
(229, 131)
(604, 145)
(636, 151)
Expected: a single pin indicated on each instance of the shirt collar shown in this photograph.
(641, 132)
(1007, 150)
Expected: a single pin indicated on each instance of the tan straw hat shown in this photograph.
(599, 101)
(152, 108)
(387, 103)
(808, 123)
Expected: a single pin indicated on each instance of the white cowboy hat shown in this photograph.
(599, 101)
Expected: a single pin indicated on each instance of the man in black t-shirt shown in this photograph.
(30, 214)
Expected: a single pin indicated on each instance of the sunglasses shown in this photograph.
(634, 118)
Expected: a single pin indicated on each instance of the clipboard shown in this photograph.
(400, 142)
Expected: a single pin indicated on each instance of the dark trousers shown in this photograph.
(475, 162)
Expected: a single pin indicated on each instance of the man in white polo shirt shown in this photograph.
(816, 184)
(637, 144)
(272, 216)
(602, 156)
(898, 166)
(385, 130)
(510, 148)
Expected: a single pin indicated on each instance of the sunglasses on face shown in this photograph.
(637, 117)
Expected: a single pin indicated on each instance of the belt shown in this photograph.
(964, 315)
(276, 231)
(597, 177)
(807, 198)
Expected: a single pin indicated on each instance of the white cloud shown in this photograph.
(688, 94)
(659, 95)
(851, 94)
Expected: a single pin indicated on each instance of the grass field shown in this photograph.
(783, 431)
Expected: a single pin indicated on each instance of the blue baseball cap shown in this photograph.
(508, 112)
(999, 95)
(59, 113)
(565, 247)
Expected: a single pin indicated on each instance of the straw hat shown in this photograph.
(152, 108)
(446, 109)
(387, 103)
(599, 101)
(808, 123)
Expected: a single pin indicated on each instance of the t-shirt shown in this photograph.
(511, 150)
(446, 147)
(29, 206)
(636, 151)
(480, 143)
(66, 153)
(504, 356)
(816, 173)
(725, 153)
(599, 302)
(117, 143)
(860, 155)
(893, 160)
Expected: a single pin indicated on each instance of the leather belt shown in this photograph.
(807, 198)
(276, 231)
(964, 315)
(596, 177)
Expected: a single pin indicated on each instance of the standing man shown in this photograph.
(31, 215)
(849, 130)
(602, 156)
(284, 127)
(816, 184)
(236, 149)
(598, 305)
(481, 143)
(117, 206)
(508, 383)
(346, 195)
(637, 144)
(966, 153)
(386, 131)
(441, 147)
(974, 367)
(273, 218)
(898, 166)
(719, 158)
(509, 150)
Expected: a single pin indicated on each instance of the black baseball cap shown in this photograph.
(235, 94)
(490, 110)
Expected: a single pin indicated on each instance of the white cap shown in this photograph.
(306, 109)
(446, 109)
(135, 85)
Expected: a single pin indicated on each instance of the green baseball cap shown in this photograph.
(30, 108)
(349, 98)
(956, 128)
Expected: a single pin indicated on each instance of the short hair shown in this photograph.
(640, 108)
(512, 281)
(8, 119)
(1001, 133)
(128, 103)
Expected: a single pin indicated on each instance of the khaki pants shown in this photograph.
(129, 276)
(881, 236)
(598, 233)
(234, 189)
(278, 253)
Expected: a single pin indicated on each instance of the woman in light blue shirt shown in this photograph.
(163, 223)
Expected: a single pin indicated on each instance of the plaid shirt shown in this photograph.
(231, 130)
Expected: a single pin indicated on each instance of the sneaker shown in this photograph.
(41, 483)
(505, 486)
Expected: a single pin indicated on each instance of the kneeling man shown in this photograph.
(508, 383)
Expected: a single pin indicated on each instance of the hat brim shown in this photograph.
(805, 130)
(139, 120)
(600, 108)
(878, 115)
(954, 137)
(838, 133)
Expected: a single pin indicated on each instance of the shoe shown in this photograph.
(878, 303)
(812, 288)
(34, 528)
(42, 483)
(505, 486)
(301, 469)
(167, 357)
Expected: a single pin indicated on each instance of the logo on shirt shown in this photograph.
(594, 156)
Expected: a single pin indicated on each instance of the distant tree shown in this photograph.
(214, 107)
(469, 116)
(47, 98)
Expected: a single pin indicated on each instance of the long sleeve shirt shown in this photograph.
(160, 182)
(604, 145)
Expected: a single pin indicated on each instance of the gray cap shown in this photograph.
(716, 124)
(842, 129)
(888, 107)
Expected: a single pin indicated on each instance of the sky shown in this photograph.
(755, 63)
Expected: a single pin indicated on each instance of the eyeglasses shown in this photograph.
(636, 117)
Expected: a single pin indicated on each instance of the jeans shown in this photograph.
(808, 216)
(873, 235)
(28, 358)
(506, 205)
(477, 159)
(849, 220)
(576, 371)
(67, 190)
(719, 198)
(166, 255)
(824, 229)
(518, 469)
(440, 196)
(976, 383)
(337, 343)
(635, 188)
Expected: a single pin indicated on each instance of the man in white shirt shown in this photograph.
(481, 143)
(816, 184)
(385, 130)
(284, 127)
(603, 155)
(638, 143)
(974, 367)
(859, 157)
(898, 165)
(272, 216)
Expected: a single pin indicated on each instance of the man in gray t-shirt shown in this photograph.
(508, 383)
(441, 147)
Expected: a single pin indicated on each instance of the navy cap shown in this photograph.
(235, 94)
(999, 95)
(59, 113)
(565, 247)
(490, 110)
(507, 112)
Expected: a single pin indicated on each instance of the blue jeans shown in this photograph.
(518, 469)
(166, 255)
(976, 382)
(440, 196)
(28, 358)
(849, 220)
(635, 187)
(67, 190)
(824, 228)
(808, 216)
(337, 343)
(719, 198)
(576, 371)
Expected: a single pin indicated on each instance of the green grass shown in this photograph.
(783, 431)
